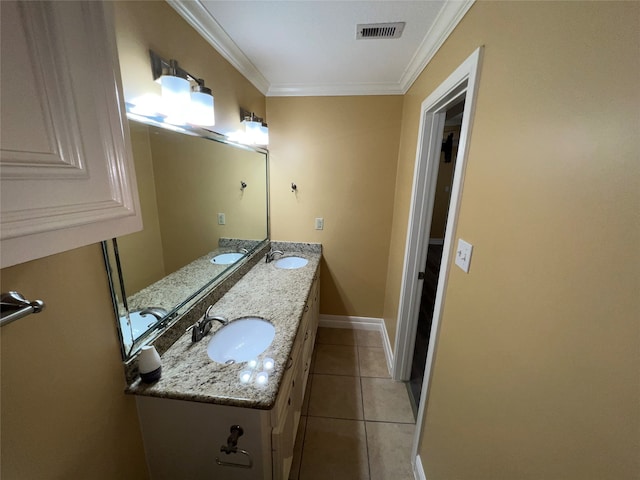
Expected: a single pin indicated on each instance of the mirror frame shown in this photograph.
(112, 257)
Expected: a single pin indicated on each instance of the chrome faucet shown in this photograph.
(272, 253)
(202, 326)
(157, 312)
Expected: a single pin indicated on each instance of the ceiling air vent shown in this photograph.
(379, 30)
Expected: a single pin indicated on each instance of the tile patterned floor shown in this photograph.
(356, 422)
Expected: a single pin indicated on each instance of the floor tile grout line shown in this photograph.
(337, 418)
(389, 421)
(364, 422)
(359, 420)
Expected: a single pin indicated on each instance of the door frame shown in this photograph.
(463, 82)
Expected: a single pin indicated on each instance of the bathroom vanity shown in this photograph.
(188, 417)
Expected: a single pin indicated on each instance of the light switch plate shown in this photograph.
(221, 219)
(319, 223)
(463, 255)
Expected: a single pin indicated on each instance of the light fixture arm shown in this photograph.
(250, 116)
(160, 67)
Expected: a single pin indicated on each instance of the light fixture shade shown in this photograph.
(264, 134)
(202, 110)
(252, 129)
(176, 95)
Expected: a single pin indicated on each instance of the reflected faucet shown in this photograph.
(157, 312)
(202, 326)
(272, 253)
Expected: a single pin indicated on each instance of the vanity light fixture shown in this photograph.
(264, 134)
(252, 126)
(185, 98)
(256, 131)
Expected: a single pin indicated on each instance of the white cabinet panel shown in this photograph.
(66, 171)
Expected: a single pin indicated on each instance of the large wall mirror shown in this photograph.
(205, 210)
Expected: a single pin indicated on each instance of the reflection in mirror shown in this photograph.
(204, 209)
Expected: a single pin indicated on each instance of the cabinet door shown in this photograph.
(66, 170)
(182, 440)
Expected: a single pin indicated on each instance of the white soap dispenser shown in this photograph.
(149, 364)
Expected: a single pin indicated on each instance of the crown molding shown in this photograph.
(446, 21)
(199, 18)
(196, 15)
(333, 90)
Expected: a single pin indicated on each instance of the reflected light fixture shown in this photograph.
(185, 98)
(252, 126)
(256, 131)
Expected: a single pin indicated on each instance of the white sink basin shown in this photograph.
(290, 263)
(139, 325)
(241, 340)
(226, 258)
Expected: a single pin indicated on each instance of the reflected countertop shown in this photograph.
(275, 294)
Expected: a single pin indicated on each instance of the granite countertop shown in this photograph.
(175, 287)
(277, 295)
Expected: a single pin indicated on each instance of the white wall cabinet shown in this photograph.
(66, 170)
(182, 439)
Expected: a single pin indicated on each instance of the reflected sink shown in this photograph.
(241, 340)
(290, 263)
(226, 258)
(140, 323)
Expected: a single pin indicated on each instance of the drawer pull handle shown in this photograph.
(289, 363)
(232, 447)
(237, 465)
(306, 308)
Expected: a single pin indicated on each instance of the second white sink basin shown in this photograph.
(226, 258)
(241, 340)
(290, 263)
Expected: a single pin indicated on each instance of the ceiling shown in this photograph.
(309, 47)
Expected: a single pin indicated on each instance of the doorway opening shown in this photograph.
(459, 88)
(431, 269)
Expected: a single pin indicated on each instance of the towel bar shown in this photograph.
(14, 306)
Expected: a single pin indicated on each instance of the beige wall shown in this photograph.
(341, 152)
(537, 369)
(141, 252)
(64, 412)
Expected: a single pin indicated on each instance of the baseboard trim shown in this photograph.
(361, 323)
(418, 471)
